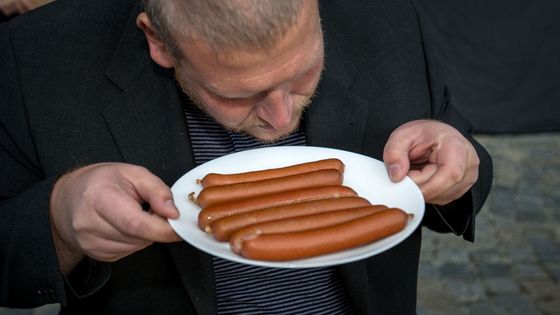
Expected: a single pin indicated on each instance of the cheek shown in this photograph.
(298, 100)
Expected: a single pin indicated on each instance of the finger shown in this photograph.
(457, 166)
(395, 156)
(125, 214)
(153, 190)
(423, 174)
(102, 241)
(93, 226)
(450, 171)
(458, 190)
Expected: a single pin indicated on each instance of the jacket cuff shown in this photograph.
(88, 277)
(456, 217)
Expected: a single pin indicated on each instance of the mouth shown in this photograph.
(268, 134)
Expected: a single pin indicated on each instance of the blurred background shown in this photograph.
(513, 267)
(501, 60)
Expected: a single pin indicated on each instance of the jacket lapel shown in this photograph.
(147, 122)
(148, 125)
(337, 117)
(146, 119)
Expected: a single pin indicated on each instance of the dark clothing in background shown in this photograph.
(500, 58)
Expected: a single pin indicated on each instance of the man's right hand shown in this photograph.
(97, 211)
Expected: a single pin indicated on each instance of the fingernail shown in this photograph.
(394, 171)
(171, 204)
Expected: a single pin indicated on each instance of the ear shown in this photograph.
(158, 49)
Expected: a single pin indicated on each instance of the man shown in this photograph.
(94, 132)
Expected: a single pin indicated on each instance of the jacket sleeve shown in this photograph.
(459, 216)
(29, 270)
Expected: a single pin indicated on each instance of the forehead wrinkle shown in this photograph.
(262, 79)
(234, 72)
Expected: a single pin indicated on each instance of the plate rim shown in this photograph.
(318, 261)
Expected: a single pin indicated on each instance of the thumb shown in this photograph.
(153, 190)
(395, 157)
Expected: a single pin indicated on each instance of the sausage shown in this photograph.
(209, 214)
(214, 179)
(225, 193)
(224, 227)
(309, 243)
(301, 223)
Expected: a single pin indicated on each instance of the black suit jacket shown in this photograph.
(78, 87)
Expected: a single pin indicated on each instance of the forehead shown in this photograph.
(298, 50)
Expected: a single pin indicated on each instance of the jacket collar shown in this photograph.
(337, 116)
(149, 99)
(147, 122)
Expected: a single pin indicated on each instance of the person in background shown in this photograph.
(102, 113)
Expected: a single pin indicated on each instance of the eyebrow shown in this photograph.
(241, 96)
(212, 91)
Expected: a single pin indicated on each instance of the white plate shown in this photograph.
(367, 176)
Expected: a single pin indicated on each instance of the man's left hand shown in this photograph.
(437, 157)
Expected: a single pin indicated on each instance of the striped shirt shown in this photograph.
(247, 289)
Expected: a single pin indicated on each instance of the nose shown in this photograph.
(276, 108)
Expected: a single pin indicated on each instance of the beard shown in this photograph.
(251, 125)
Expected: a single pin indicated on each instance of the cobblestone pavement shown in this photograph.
(514, 265)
